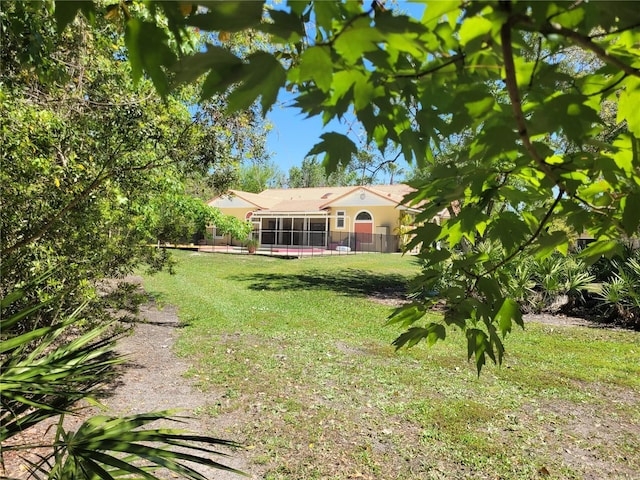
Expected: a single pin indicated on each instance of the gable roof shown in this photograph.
(253, 198)
(391, 193)
(315, 199)
(276, 201)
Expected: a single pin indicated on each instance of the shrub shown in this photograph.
(620, 294)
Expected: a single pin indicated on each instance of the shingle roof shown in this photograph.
(253, 198)
(317, 198)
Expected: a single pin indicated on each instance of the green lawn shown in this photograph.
(300, 368)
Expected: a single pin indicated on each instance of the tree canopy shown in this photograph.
(93, 170)
(93, 166)
(311, 173)
(535, 140)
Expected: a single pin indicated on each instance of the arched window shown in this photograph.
(363, 227)
(363, 217)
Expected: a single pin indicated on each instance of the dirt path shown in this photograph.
(153, 379)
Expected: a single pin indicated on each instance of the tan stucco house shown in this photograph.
(361, 218)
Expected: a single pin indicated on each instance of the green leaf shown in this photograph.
(547, 243)
(414, 145)
(286, 25)
(477, 343)
(343, 82)
(478, 109)
(220, 61)
(628, 106)
(435, 11)
(262, 77)
(92, 444)
(496, 348)
(10, 298)
(357, 39)
(510, 229)
(228, 16)
(131, 34)
(149, 52)
(473, 28)
(425, 234)
(595, 250)
(432, 333)
(407, 315)
(489, 287)
(15, 342)
(569, 18)
(325, 12)
(631, 213)
(508, 313)
(65, 12)
(338, 149)
(8, 322)
(316, 65)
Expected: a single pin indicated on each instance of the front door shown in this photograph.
(363, 226)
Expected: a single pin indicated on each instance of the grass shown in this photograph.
(300, 368)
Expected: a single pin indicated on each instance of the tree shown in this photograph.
(312, 173)
(367, 166)
(394, 170)
(92, 170)
(489, 68)
(256, 177)
(228, 148)
(87, 152)
(175, 217)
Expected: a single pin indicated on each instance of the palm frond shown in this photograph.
(45, 371)
(114, 447)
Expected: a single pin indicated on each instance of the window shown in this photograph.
(363, 216)
(216, 233)
(340, 217)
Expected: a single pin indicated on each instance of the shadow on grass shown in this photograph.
(352, 282)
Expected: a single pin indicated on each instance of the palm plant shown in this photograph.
(45, 371)
(614, 293)
(621, 293)
(549, 272)
(577, 280)
(519, 283)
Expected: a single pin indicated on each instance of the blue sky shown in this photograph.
(293, 135)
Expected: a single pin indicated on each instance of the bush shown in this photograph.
(547, 285)
(620, 293)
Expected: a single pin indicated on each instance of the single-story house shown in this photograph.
(364, 218)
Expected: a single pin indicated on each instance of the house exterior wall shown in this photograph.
(240, 213)
(386, 220)
(383, 232)
(297, 226)
(383, 210)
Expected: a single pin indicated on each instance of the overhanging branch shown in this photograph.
(531, 239)
(516, 104)
(429, 71)
(588, 44)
